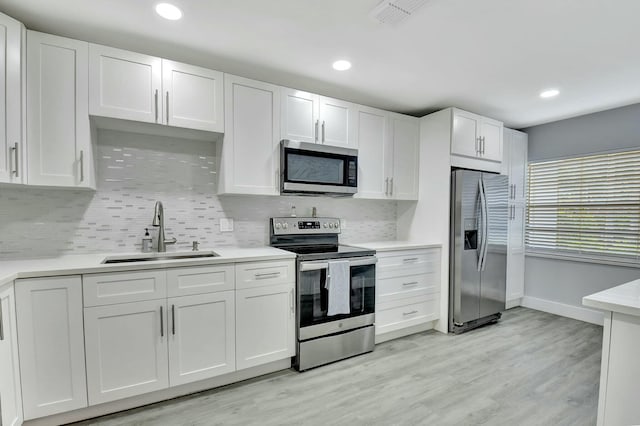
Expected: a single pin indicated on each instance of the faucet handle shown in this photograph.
(194, 246)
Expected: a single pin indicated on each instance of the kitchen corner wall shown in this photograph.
(133, 171)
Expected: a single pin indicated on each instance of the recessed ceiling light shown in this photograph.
(341, 65)
(168, 11)
(549, 93)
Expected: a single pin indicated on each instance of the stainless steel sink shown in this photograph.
(150, 257)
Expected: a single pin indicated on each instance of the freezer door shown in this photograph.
(493, 277)
(466, 237)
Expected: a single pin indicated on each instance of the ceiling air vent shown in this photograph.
(395, 11)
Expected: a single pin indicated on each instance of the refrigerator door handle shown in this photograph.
(485, 226)
(481, 226)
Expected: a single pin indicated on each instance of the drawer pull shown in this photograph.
(410, 259)
(411, 283)
(409, 313)
(267, 275)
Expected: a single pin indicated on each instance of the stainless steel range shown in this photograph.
(324, 336)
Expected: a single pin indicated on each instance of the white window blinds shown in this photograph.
(587, 205)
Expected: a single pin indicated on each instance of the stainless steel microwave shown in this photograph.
(309, 168)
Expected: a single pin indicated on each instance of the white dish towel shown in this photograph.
(339, 287)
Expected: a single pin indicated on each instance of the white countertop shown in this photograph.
(91, 263)
(394, 245)
(624, 298)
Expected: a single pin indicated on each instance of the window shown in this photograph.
(587, 205)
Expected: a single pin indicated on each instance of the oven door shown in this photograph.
(313, 298)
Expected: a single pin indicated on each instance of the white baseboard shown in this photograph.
(564, 310)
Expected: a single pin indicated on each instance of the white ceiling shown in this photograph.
(492, 57)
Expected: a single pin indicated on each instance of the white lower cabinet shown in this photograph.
(51, 345)
(126, 346)
(265, 321)
(10, 394)
(407, 290)
(201, 336)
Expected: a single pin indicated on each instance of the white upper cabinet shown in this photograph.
(125, 85)
(58, 132)
(11, 135)
(405, 131)
(388, 160)
(138, 87)
(375, 153)
(517, 164)
(250, 150)
(193, 97)
(475, 137)
(307, 117)
(50, 330)
(299, 113)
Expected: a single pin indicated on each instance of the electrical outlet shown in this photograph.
(226, 224)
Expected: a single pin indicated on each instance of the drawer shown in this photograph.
(396, 316)
(259, 274)
(408, 262)
(124, 287)
(388, 289)
(200, 279)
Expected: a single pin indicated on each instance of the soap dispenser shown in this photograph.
(147, 241)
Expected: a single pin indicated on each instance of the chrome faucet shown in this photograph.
(158, 221)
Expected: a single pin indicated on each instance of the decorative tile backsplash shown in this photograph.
(133, 172)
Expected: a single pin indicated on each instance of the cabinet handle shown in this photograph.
(156, 102)
(173, 319)
(1, 323)
(267, 275)
(391, 187)
(81, 166)
(386, 186)
(411, 283)
(322, 131)
(515, 190)
(409, 313)
(161, 323)
(410, 259)
(316, 131)
(167, 107)
(14, 148)
(291, 303)
(477, 145)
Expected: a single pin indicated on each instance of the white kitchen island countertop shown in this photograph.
(624, 299)
(394, 245)
(92, 263)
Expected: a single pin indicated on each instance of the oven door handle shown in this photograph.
(317, 265)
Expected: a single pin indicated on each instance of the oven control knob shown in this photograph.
(337, 225)
(277, 225)
(326, 225)
(331, 225)
(285, 225)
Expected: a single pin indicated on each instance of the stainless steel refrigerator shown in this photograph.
(478, 244)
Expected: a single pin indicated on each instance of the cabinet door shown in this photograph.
(375, 153)
(11, 145)
(10, 395)
(52, 363)
(338, 125)
(518, 145)
(201, 337)
(125, 85)
(264, 325)
(299, 113)
(515, 256)
(126, 347)
(406, 157)
(491, 132)
(59, 148)
(466, 134)
(250, 154)
(193, 97)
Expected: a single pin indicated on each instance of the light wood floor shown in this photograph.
(531, 368)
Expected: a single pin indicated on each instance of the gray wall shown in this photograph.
(565, 281)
